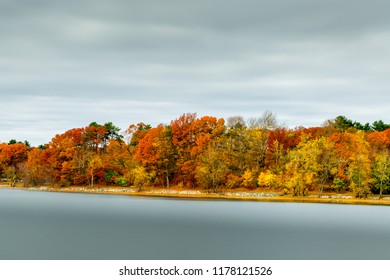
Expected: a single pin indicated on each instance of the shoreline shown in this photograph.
(202, 195)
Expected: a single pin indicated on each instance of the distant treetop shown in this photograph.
(342, 123)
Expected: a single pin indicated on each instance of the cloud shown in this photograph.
(64, 64)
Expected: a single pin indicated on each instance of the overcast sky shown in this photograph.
(64, 64)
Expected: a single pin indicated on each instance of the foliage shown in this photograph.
(344, 124)
(141, 177)
(381, 171)
(121, 181)
(338, 184)
(212, 170)
(204, 152)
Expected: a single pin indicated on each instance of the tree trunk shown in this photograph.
(167, 177)
(321, 188)
(92, 178)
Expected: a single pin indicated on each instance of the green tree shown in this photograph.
(113, 132)
(342, 123)
(380, 126)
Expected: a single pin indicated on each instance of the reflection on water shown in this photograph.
(39, 225)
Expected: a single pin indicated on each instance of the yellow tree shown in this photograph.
(359, 168)
(245, 151)
(236, 145)
(267, 179)
(94, 164)
(253, 155)
(302, 169)
(327, 162)
(311, 164)
(140, 177)
(212, 169)
(359, 173)
(381, 171)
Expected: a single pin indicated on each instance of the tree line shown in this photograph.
(210, 153)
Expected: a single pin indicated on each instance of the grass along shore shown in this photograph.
(228, 194)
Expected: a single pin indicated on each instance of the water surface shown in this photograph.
(42, 225)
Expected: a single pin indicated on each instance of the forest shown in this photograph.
(211, 154)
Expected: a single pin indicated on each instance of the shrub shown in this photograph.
(121, 182)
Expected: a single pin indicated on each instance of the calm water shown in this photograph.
(39, 225)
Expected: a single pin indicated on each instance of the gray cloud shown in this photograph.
(64, 64)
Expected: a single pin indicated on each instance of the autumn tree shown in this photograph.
(212, 170)
(118, 162)
(311, 164)
(245, 155)
(147, 152)
(246, 147)
(136, 132)
(258, 134)
(60, 154)
(167, 154)
(354, 165)
(381, 171)
(190, 136)
(94, 136)
(157, 153)
(140, 177)
(327, 161)
(183, 137)
(68, 154)
(94, 164)
(236, 148)
(279, 142)
(50, 170)
(12, 157)
(256, 150)
(379, 141)
(379, 152)
(205, 151)
(34, 173)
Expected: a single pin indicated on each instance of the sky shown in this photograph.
(65, 64)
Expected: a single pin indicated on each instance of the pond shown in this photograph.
(66, 226)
